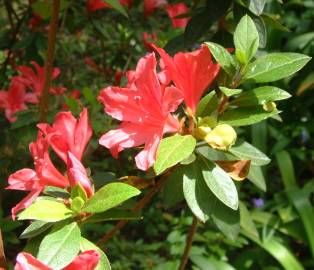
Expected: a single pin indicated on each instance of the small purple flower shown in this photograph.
(258, 202)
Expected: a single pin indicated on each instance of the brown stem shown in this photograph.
(2, 255)
(188, 245)
(138, 207)
(53, 26)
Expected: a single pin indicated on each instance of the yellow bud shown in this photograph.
(208, 121)
(204, 126)
(269, 106)
(201, 132)
(222, 137)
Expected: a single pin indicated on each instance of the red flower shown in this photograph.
(148, 39)
(68, 134)
(35, 79)
(191, 72)
(77, 174)
(145, 107)
(45, 174)
(87, 260)
(93, 5)
(14, 99)
(150, 5)
(35, 20)
(176, 10)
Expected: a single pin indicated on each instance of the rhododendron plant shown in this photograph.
(151, 5)
(93, 5)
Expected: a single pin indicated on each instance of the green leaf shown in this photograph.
(172, 150)
(117, 6)
(172, 192)
(259, 96)
(35, 228)
(205, 263)
(110, 196)
(287, 170)
(113, 214)
(207, 105)
(279, 252)
(46, 210)
(256, 176)
(223, 57)
(257, 6)
(44, 7)
(103, 263)
(213, 154)
(246, 151)
(191, 178)
(78, 191)
(77, 204)
(246, 221)
(56, 192)
(246, 40)
(219, 183)
(230, 91)
(299, 42)
(60, 246)
(246, 116)
(275, 66)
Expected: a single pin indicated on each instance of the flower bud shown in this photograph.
(204, 126)
(222, 137)
(269, 106)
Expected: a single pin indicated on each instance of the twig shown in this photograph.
(138, 207)
(2, 255)
(53, 26)
(188, 245)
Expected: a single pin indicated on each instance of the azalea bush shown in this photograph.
(135, 135)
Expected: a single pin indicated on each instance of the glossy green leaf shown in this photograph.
(172, 150)
(246, 116)
(117, 6)
(275, 66)
(246, 151)
(78, 191)
(223, 57)
(172, 192)
(246, 40)
(46, 210)
(259, 96)
(287, 170)
(60, 246)
(207, 105)
(35, 228)
(256, 176)
(230, 91)
(113, 214)
(110, 196)
(219, 183)
(204, 263)
(191, 178)
(257, 6)
(103, 263)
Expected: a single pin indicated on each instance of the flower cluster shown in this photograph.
(14, 99)
(68, 138)
(147, 103)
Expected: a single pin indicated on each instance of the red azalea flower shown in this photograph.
(150, 5)
(145, 106)
(14, 99)
(35, 79)
(176, 10)
(45, 174)
(191, 73)
(87, 260)
(93, 5)
(35, 20)
(68, 134)
(148, 39)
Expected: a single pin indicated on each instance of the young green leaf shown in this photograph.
(117, 6)
(207, 105)
(230, 91)
(223, 57)
(35, 228)
(246, 40)
(220, 183)
(46, 210)
(110, 196)
(259, 96)
(275, 66)
(103, 263)
(60, 246)
(246, 221)
(246, 116)
(256, 176)
(257, 6)
(172, 150)
(78, 191)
